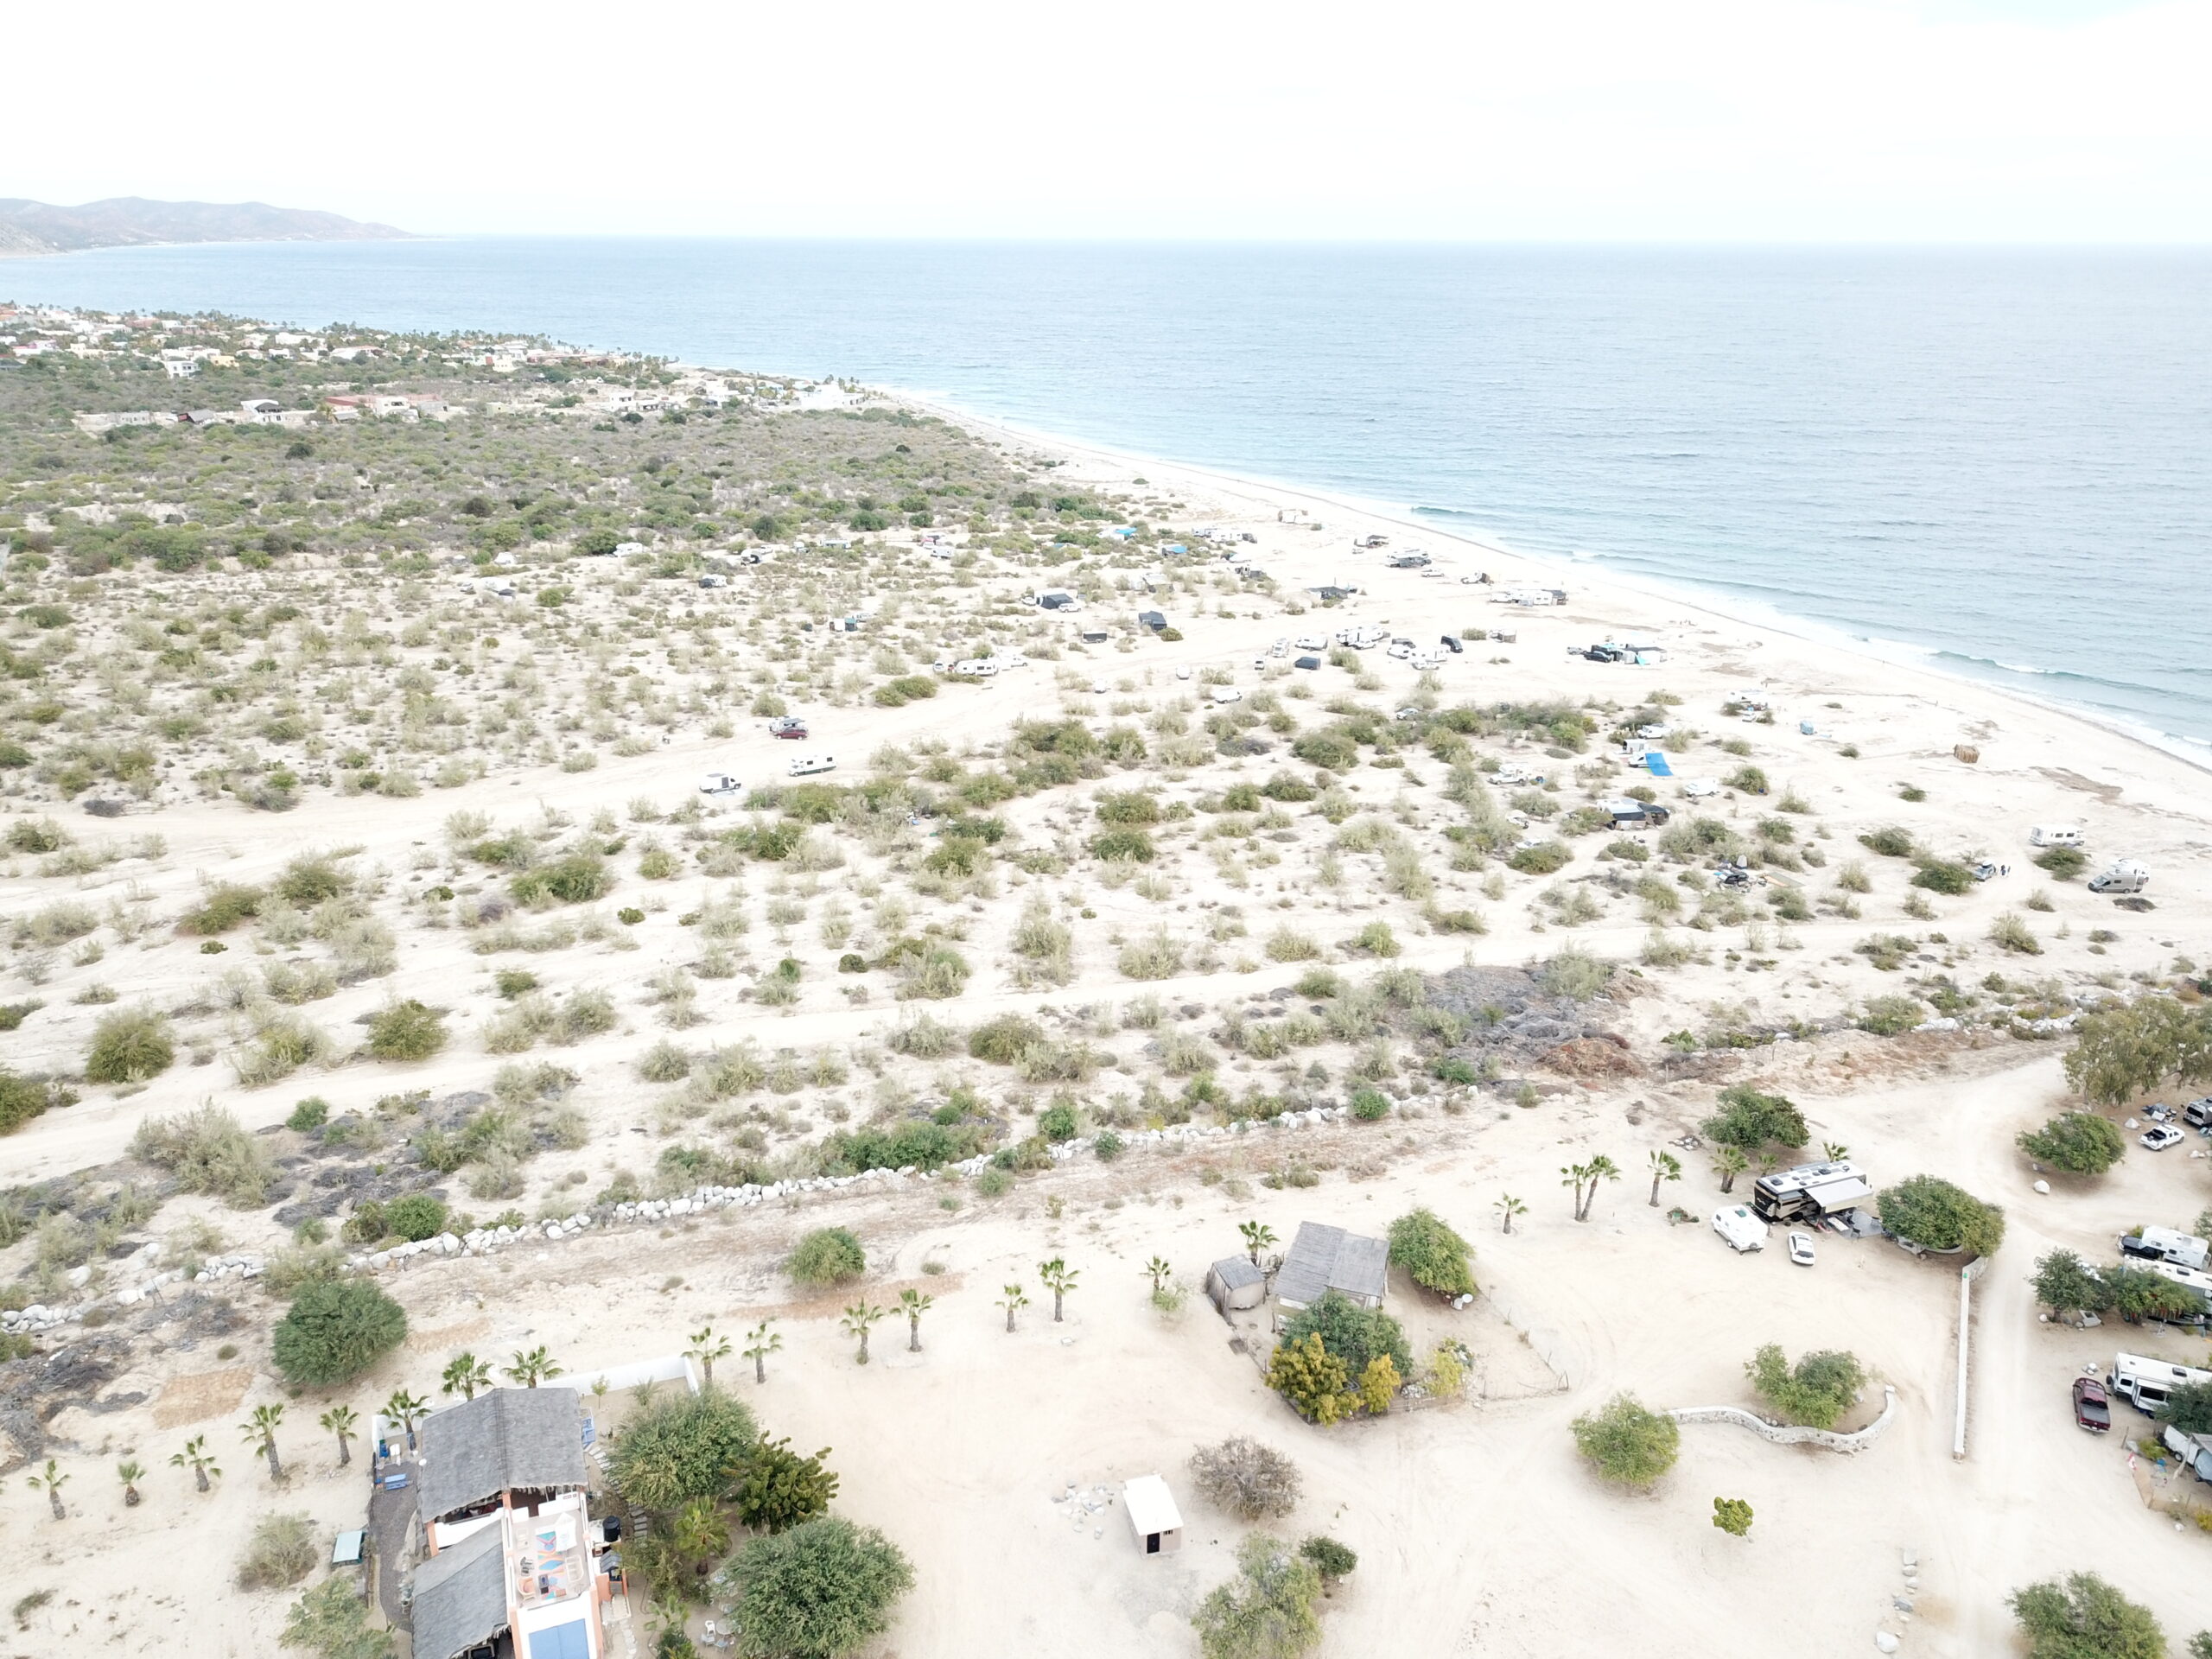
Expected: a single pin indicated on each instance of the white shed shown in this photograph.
(1153, 1515)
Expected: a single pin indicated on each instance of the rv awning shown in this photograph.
(1831, 1196)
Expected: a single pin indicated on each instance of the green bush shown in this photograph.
(1627, 1442)
(1371, 1105)
(1057, 1122)
(1816, 1392)
(1123, 846)
(1934, 1214)
(2085, 1618)
(827, 1255)
(820, 1591)
(1749, 1120)
(1541, 858)
(681, 1446)
(2121, 1052)
(1351, 1333)
(1748, 781)
(1574, 973)
(1944, 875)
(335, 1330)
(129, 1045)
(2080, 1143)
(1132, 808)
(23, 1098)
(406, 1031)
(1267, 1611)
(1433, 1255)
(1893, 843)
(1891, 1016)
(2063, 862)
(908, 688)
(921, 1144)
(575, 879)
(417, 1216)
(221, 909)
(1000, 1041)
(281, 1551)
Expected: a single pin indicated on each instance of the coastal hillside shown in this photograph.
(32, 228)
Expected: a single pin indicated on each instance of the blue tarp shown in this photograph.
(1657, 763)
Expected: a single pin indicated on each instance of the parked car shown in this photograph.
(1182, 673)
(1308, 662)
(2159, 1136)
(1451, 642)
(1801, 1250)
(790, 726)
(2092, 1406)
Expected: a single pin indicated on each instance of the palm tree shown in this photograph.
(532, 1368)
(1584, 1177)
(1508, 1207)
(130, 1474)
(1159, 1272)
(260, 1431)
(760, 1342)
(1728, 1163)
(706, 1347)
(1834, 1151)
(197, 1457)
(53, 1480)
(1665, 1166)
(407, 1410)
(858, 1318)
(1060, 1279)
(700, 1535)
(1013, 1301)
(341, 1420)
(465, 1373)
(914, 1305)
(1257, 1236)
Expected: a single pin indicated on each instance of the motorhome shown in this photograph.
(2166, 1244)
(2190, 1279)
(2055, 834)
(2125, 876)
(803, 765)
(719, 783)
(1810, 1191)
(2145, 1383)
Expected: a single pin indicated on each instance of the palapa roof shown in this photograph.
(460, 1596)
(1323, 1258)
(504, 1440)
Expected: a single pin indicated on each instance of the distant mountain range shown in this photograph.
(30, 228)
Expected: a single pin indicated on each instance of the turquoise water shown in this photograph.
(1999, 460)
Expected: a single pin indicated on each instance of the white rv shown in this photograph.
(803, 764)
(2192, 1279)
(2145, 1383)
(2054, 835)
(2165, 1245)
(719, 783)
(1741, 1228)
(2125, 876)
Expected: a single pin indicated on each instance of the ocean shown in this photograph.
(1994, 461)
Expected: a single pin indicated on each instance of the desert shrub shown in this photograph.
(335, 1330)
(1123, 846)
(281, 1550)
(220, 909)
(2085, 1617)
(820, 1591)
(407, 1030)
(919, 1143)
(1626, 1442)
(1160, 957)
(1285, 944)
(1816, 1392)
(1127, 807)
(24, 1098)
(827, 1255)
(2010, 933)
(1574, 973)
(416, 1216)
(1751, 1120)
(282, 1044)
(1891, 1016)
(37, 836)
(1433, 1255)
(936, 972)
(577, 878)
(2063, 862)
(207, 1151)
(129, 1045)
(331, 1622)
(308, 881)
(1748, 781)
(1331, 1559)
(681, 1446)
(1541, 858)
(1893, 843)
(925, 1038)
(1937, 1216)
(2080, 1143)
(1944, 875)
(1251, 1481)
(1001, 1040)
(1371, 1105)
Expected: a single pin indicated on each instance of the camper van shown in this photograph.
(2165, 1245)
(1741, 1228)
(803, 765)
(2145, 1383)
(2055, 834)
(2198, 1113)
(719, 783)
(2125, 876)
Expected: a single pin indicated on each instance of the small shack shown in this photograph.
(1235, 1283)
(1153, 1515)
(1156, 620)
(1323, 1258)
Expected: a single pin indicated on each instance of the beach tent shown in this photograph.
(1657, 764)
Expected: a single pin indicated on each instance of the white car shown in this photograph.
(1013, 659)
(1801, 1250)
(1099, 688)
(1400, 650)
(1259, 663)
(1226, 694)
(1182, 673)
(2159, 1136)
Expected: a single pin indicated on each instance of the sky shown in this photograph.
(1696, 120)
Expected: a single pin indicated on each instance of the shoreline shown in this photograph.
(1590, 573)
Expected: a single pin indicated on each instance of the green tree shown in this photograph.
(1732, 1516)
(2136, 1293)
(1626, 1442)
(1353, 1333)
(197, 1457)
(343, 1422)
(2188, 1408)
(680, 1447)
(1749, 1120)
(1933, 1213)
(1059, 1278)
(1433, 1256)
(914, 1305)
(2124, 1052)
(1816, 1392)
(1331, 1559)
(1267, 1611)
(775, 1488)
(332, 1622)
(335, 1330)
(819, 1591)
(706, 1347)
(827, 1255)
(465, 1373)
(760, 1343)
(2066, 1284)
(51, 1482)
(2080, 1143)
(1014, 1298)
(2085, 1617)
(860, 1318)
(700, 1535)
(532, 1368)
(1665, 1166)
(1258, 1236)
(1316, 1382)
